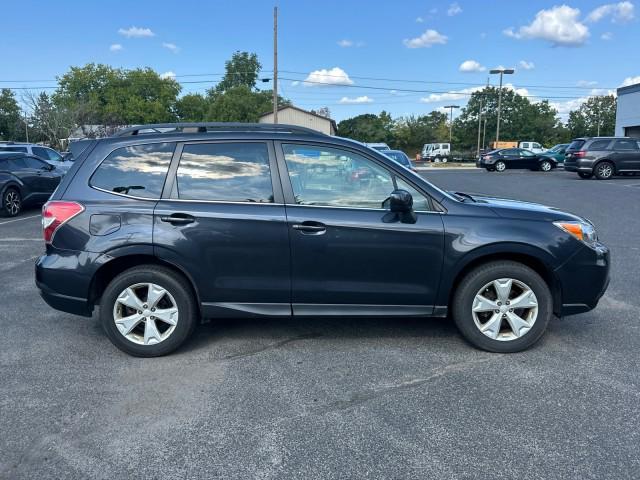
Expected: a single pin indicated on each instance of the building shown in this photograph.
(302, 118)
(628, 112)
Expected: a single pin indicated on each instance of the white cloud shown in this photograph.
(565, 107)
(172, 47)
(427, 39)
(419, 20)
(350, 43)
(168, 74)
(328, 77)
(116, 47)
(471, 66)
(559, 25)
(526, 65)
(454, 9)
(355, 100)
(621, 12)
(465, 93)
(630, 81)
(606, 36)
(136, 32)
(586, 83)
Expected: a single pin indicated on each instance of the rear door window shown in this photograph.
(35, 163)
(599, 145)
(137, 170)
(224, 172)
(13, 149)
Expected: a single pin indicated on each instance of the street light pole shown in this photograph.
(275, 64)
(480, 115)
(451, 107)
(501, 71)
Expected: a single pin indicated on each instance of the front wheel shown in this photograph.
(502, 307)
(546, 166)
(11, 202)
(148, 311)
(585, 175)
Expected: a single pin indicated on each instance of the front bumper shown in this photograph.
(584, 278)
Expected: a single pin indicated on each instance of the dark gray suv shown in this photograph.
(603, 157)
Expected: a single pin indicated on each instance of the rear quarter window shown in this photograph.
(576, 145)
(136, 170)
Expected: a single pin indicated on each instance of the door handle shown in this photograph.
(310, 228)
(178, 219)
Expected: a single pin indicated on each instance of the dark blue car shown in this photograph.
(163, 226)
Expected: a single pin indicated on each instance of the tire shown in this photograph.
(180, 295)
(11, 202)
(604, 170)
(504, 341)
(500, 166)
(444, 159)
(546, 166)
(585, 175)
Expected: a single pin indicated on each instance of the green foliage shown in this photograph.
(367, 128)
(192, 108)
(596, 110)
(11, 126)
(411, 133)
(241, 71)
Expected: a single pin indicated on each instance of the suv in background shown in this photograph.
(162, 230)
(47, 154)
(24, 180)
(603, 157)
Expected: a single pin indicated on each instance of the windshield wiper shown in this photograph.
(465, 195)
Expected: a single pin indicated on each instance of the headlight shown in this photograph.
(583, 231)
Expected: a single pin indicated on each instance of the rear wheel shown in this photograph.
(502, 307)
(585, 175)
(148, 311)
(11, 202)
(604, 170)
(500, 166)
(546, 166)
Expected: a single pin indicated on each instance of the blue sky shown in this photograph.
(582, 46)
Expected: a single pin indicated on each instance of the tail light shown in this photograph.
(57, 213)
(580, 154)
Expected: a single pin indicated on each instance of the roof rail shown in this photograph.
(204, 127)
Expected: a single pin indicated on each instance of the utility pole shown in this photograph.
(26, 127)
(275, 64)
(480, 115)
(501, 71)
(451, 107)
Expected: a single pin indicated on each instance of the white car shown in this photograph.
(47, 154)
(534, 147)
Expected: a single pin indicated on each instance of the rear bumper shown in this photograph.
(64, 279)
(579, 166)
(584, 279)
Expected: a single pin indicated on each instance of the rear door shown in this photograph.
(349, 255)
(511, 157)
(626, 154)
(222, 219)
(45, 179)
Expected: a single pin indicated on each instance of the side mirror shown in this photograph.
(400, 201)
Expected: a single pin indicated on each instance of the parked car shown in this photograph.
(436, 152)
(557, 152)
(24, 180)
(500, 160)
(603, 157)
(47, 154)
(163, 230)
(378, 146)
(400, 157)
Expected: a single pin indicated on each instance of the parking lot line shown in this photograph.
(18, 219)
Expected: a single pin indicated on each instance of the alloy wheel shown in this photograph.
(505, 309)
(145, 313)
(12, 202)
(545, 166)
(605, 170)
(500, 166)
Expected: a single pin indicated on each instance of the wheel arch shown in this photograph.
(125, 260)
(609, 161)
(536, 259)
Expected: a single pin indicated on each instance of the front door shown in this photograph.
(348, 255)
(222, 218)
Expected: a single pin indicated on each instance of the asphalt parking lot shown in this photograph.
(331, 398)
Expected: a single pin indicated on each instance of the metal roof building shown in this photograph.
(628, 112)
(296, 116)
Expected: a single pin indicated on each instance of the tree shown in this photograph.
(10, 123)
(51, 123)
(323, 112)
(100, 94)
(192, 108)
(411, 133)
(596, 111)
(242, 70)
(366, 128)
(241, 104)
